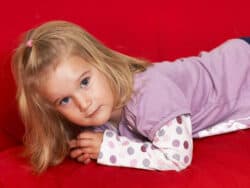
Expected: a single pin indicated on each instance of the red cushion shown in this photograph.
(156, 30)
(219, 161)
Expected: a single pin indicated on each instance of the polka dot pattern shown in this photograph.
(111, 144)
(170, 148)
(161, 132)
(176, 143)
(176, 132)
(179, 130)
(144, 148)
(186, 159)
(179, 119)
(146, 162)
(130, 150)
(185, 144)
(109, 133)
(125, 143)
(112, 159)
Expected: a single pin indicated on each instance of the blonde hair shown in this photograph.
(46, 132)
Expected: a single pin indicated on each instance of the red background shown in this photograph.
(153, 29)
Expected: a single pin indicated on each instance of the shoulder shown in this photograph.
(231, 46)
(150, 79)
(155, 83)
(156, 98)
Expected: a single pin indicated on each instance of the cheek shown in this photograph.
(101, 90)
(104, 95)
(107, 91)
(73, 117)
(68, 112)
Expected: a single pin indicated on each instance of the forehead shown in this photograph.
(71, 64)
(61, 77)
(68, 68)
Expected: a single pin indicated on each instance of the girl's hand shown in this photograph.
(86, 146)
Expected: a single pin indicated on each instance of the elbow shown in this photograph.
(183, 165)
(178, 161)
(183, 162)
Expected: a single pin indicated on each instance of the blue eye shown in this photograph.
(64, 101)
(85, 82)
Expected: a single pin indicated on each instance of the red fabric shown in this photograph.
(157, 30)
(219, 161)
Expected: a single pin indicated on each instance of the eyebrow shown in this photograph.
(76, 81)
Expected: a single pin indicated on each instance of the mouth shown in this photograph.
(93, 113)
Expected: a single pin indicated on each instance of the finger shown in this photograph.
(93, 155)
(84, 143)
(86, 135)
(76, 153)
(72, 143)
(83, 158)
(87, 150)
(87, 161)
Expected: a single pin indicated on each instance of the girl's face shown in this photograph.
(80, 92)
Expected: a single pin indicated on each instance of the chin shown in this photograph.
(94, 121)
(99, 121)
(101, 118)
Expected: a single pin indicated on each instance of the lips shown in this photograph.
(92, 113)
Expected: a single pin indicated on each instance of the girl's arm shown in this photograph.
(171, 148)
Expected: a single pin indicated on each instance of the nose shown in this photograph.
(83, 101)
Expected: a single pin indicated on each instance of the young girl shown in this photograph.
(79, 98)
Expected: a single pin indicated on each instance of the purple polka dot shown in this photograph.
(176, 157)
(144, 147)
(179, 119)
(125, 143)
(112, 159)
(179, 130)
(146, 162)
(186, 145)
(111, 144)
(161, 132)
(186, 159)
(109, 133)
(100, 155)
(130, 150)
(176, 143)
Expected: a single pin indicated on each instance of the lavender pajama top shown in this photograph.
(175, 101)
